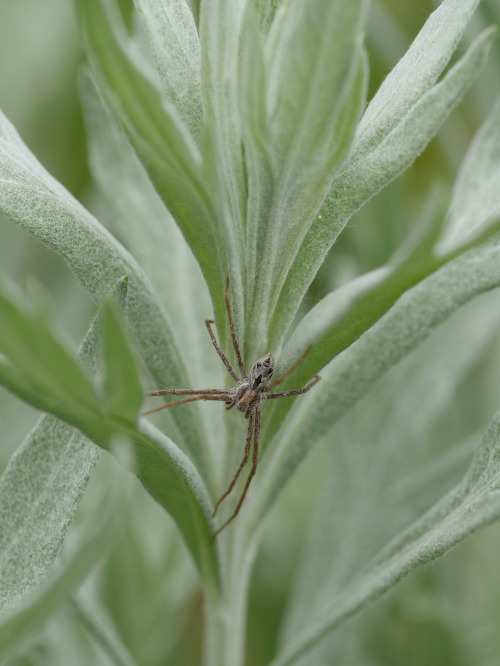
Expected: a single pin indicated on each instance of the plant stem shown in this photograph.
(225, 615)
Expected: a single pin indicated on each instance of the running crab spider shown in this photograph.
(248, 394)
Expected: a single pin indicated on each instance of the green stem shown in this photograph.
(225, 615)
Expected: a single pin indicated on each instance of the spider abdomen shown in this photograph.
(247, 400)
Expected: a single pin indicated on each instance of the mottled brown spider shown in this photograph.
(250, 390)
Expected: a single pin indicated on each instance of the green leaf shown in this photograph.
(165, 148)
(388, 461)
(93, 544)
(221, 23)
(166, 472)
(42, 362)
(122, 388)
(473, 503)
(315, 92)
(389, 141)
(351, 374)
(35, 201)
(476, 198)
(175, 45)
(163, 253)
(39, 493)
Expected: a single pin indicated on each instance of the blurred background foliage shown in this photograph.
(146, 589)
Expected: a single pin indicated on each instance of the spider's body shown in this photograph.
(250, 390)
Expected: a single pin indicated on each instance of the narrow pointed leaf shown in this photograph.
(381, 153)
(175, 45)
(474, 503)
(166, 472)
(476, 197)
(315, 92)
(93, 544)
(351, 374)
(35, 201)
(166, 150)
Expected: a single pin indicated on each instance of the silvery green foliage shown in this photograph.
(243, 156)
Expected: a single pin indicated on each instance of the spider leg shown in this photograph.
(242, 464)
(286, 394)
(223, 357)
(291, 369)
(220, 397)
(255, 460)
(191, 392)
(236, 346)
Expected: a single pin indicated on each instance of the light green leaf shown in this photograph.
(166, 472)
(175, 45)
(220, 28)
(476, 195)
(39, 493)
(165, 148)
(473, 503)
(351, 374)
(140, 219)
(42, 363)
(93, 543)
(315, 93)
(31, 198)
(388, 461)
(381, 153)
(122, 388)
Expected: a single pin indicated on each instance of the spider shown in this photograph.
(247, 396)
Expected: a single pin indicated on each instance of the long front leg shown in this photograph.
(232, 327)
(223, 357)
(255, 460)
(221, 398)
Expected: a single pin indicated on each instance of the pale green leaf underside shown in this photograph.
(93, 543)
(161, 142)
(315, 92)
(141, 221)
(175, 46)
(39, 494)
(35, 201)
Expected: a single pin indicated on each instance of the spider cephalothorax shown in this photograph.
(250, 390)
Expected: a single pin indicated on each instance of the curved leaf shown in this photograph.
(381, 153)
(474, 503)
(351, 374)
(166, 472)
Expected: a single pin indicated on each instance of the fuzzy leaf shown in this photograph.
(174, 41)
(473, 503)
(39, 493)
(122, 388)
(34, 200)
(387, 462)
(315, 93)
(476, 199)
(165, 471)
(93, 543)
(351, 374)
(116, 168)
(381, 152)
(220, 27)
(162, 143)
